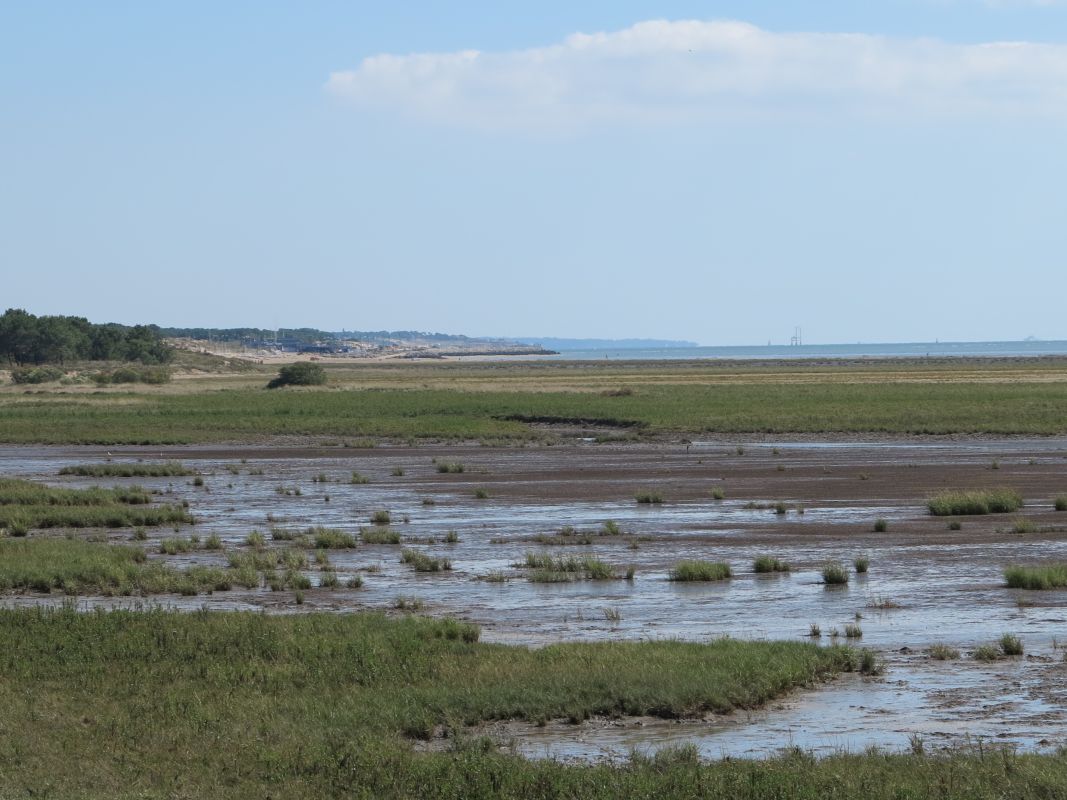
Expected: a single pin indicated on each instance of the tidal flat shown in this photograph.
(807, 503)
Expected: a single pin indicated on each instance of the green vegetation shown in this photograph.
(853, 631)
(1011, 645)
(128, 374)
(1060, 503)
(342, 694)
(28, 339)
(869, 663)
(648, 498)
(770, 564)
(175, 546)
(450, 467)
(76, 567)
(834, 574)
(547, 568)
(881, 526)
(26, 504)
(302, 373)
(986, 652)
(699, 571)
(36, 375)
(421, 562)
(379, 536)
(943, 652)
(380, 518)
(1048, 576)
(974, 501)
(718, 493)
(331, 538)
(862, 564)
(764, 402)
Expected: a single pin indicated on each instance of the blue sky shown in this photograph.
(718, 171)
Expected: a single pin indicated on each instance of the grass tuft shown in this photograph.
(961, 502)
(700, 571)
(166, 469)
(943, 652)
(834, 574)
(421, 562)
(1046, 576)
(764, 564)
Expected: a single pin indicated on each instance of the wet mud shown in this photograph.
(926, 584)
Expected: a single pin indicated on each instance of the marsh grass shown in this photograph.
(986, 652)
(960, 502)
(718, 493)
(1045, 576)
(379, 536)
(481, 494)
(610, 528)
(546, 568)
(246, 661)
(329, 580)
(421, 562)
(380, 518)
(862, 564)
(27, 505)
(764, 564)
(694, 570)
(881, 525)
(834, 574)
(672, 403)
(943, 652)
(175, 546)
(165, 469)
(1023, 525)
(451, 467)
(76, 567)
(853, 631)
(358, 480)
(1011, 645)
(330, 538)
(869, 664)
(648, 498)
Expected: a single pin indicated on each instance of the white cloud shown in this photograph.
(662, 71)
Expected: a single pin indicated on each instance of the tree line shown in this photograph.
(29, 339)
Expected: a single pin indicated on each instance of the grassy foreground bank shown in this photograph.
(99, 704)
(163, 704)
(665, 408)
